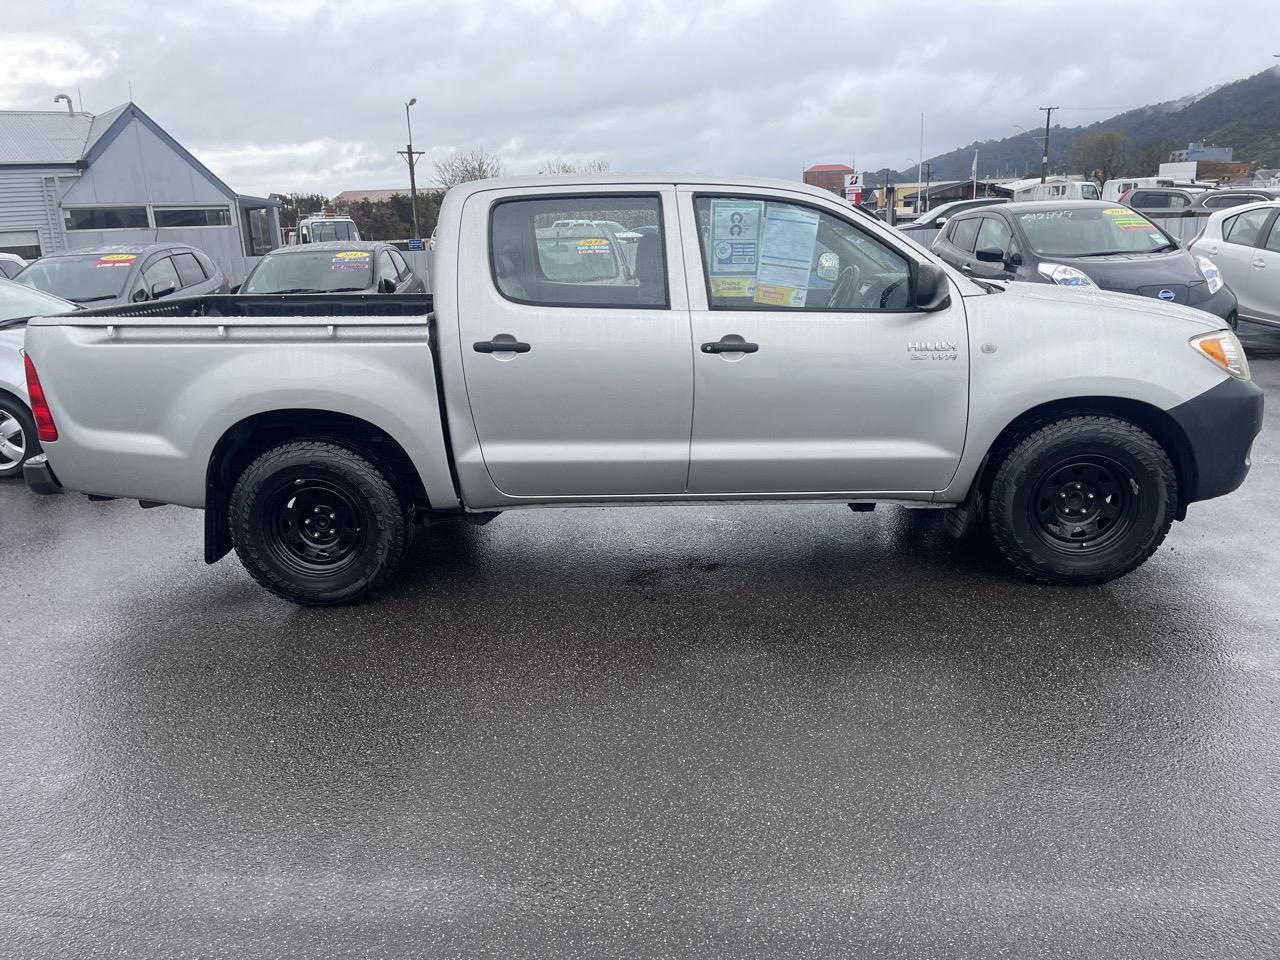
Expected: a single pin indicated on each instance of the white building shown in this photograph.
(71, 180)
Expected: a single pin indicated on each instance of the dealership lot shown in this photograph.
(694, 732)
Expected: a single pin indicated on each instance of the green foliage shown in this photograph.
(393, 219)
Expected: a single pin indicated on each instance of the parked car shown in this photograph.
(315, 432)
(335, 267)
(1162, 201)
(1081, 244)
(125, 274)
(1115, 189)
(18, 440)
(936, 218)
(1244, 244)
(1234, 197)
(10, 265)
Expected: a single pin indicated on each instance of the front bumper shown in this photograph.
(1220, 426)
(39, 476)
(1221, 304)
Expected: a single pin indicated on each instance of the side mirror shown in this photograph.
(162, 288)
(1014, 259)
(933, 289)
(386, 285)
(990, 254)
(941, 222)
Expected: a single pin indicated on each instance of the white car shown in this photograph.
(1244, 244)
(18, 440)
(10, 265)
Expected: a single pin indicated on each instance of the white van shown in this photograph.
(1115, 189)
(1055, 188)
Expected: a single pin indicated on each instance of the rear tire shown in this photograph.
(317, 524)
(1082, 501)
(18, 442)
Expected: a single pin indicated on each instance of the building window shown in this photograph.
(192, 216)
(107, 218)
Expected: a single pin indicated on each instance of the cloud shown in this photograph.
(305, 94)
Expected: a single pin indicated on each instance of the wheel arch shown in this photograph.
(1152, 419)
(252, 436)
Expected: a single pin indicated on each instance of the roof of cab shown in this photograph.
(614, 180)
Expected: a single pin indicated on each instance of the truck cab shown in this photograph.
(322, 228)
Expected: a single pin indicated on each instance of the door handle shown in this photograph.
(502, 343)
(1260, 263)
(967, 268)
(727, 345)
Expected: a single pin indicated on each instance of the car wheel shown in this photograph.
(18, 442)
(318, 524)
(1082, 501)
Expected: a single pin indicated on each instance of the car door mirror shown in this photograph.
(1014, 259)
(933, 289)
(990, 254)
(941, 222)
(386, 285)
(162, 288)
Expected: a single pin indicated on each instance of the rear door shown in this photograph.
(813, 373)
(575, 350)
(1264, 273)
(1243, 260)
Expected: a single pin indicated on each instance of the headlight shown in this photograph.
(1211, 273)
(1223, 349)
(1065, 276)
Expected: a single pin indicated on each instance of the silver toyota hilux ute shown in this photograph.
(624, 340)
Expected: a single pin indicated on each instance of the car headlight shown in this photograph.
(1211, 274)
(1224, 349)
(1065, 276)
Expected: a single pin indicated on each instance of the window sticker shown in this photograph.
(1117, 212)
(116, 260)
(351, 260)
(351, 255)
(735, 239)
(590, 245)
(742, 288)
(787, 244)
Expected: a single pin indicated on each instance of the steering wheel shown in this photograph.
(844, 287)
(884, 294)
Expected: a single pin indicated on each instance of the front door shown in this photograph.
(812, 371)
(574, 328)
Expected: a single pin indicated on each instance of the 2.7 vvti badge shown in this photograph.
(723, 340)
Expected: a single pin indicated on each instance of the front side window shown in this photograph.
(1089, 191)
(387, 270)
(1244, 229)
(107, 218)
(402, 268)
(994, 234)
(580, 251)
(763, 254)
(1079, 231)
(158, 271)
(193, 216)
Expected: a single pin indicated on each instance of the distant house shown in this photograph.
(71, 180)
(827, 176)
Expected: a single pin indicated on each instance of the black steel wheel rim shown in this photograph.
(1084, 504)
(314, 526)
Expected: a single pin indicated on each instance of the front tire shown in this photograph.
(318, 524)
(1082, 501)
(18, 442)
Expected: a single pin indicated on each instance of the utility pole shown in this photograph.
(412, 156)
(1044, 157)
(928, 173)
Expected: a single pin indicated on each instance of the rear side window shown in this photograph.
(965, 233)
(189, 269)
(1244, 229)
(580, 251)
(1273, 241)
(1229, 201)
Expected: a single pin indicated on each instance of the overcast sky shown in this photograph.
(300, 95)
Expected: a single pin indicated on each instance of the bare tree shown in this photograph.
(460, 167)
(560, 165)
(1100, 155)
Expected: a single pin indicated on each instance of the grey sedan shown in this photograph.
(106, 276)
(341, 266)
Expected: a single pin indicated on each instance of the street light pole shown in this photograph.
(1044, 157)
(412, 156)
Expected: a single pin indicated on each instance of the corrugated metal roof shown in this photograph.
(43, 136)
(100, 124)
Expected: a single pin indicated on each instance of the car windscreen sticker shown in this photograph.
(590, 245)
(351, 260)
(116, 260)
(1117, 212)
(735, 240)
(787, 243)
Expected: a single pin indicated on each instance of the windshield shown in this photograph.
(326, 230)
(18, 303)
(578, 255)
(324, 271)
(1091, 232)
(86, 279)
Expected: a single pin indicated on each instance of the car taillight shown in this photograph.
(46, 429)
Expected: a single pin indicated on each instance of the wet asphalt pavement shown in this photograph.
(781, 731)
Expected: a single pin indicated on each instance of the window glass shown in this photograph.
(770, 255)
(580, 251)
(321, 271)
(159, 271)
(1150, 201)
(1178, 202)
(965, 233)
(1089, 191)
(402, 268)
(1273, 241)
(994, 234)
(9, 268)
(323, 231)
(88, 278)
(1076, 230)
(1244, 229)
(387, 269)
(1228, 201)
(192, 216)
(107, 218)
(189, 269)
